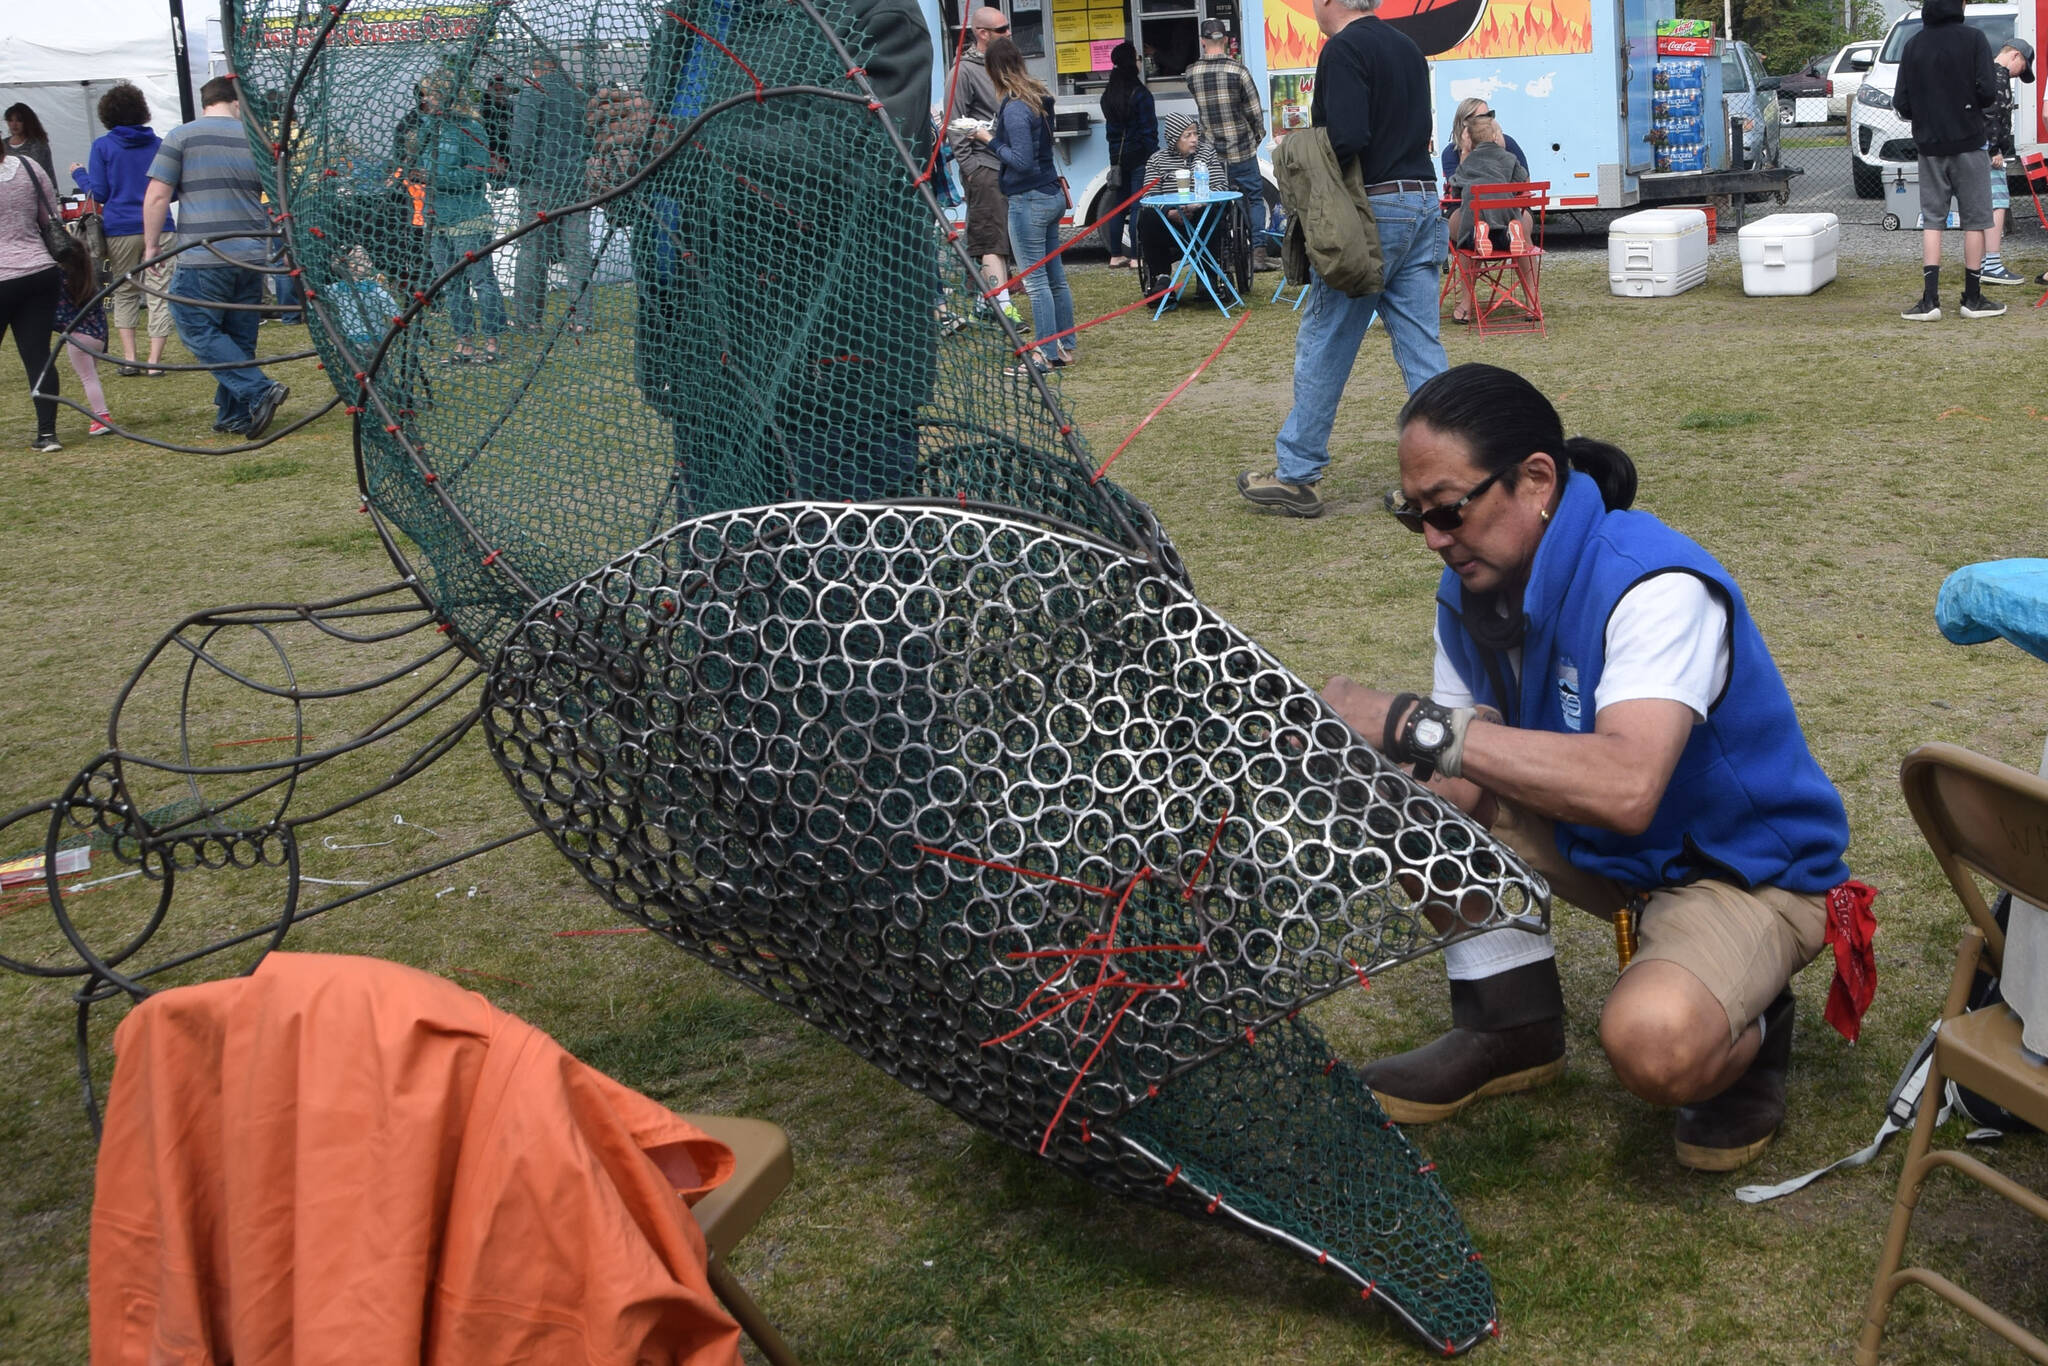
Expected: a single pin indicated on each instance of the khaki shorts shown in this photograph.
(123, 255)
(1744, 945)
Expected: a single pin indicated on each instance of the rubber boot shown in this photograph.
(1507, 1034)
(1732, 1130)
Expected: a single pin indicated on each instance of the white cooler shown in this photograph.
(1789, 253)
(1656, 252)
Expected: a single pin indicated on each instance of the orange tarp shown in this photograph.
(343, 1160)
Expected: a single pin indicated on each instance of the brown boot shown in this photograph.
(1507, 1034)
(1732, 1130)
(1261, 262)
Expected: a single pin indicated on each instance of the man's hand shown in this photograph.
(156, 203)
(1359, 707)
(1998, 161)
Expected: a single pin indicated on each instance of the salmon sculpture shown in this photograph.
(799, 618)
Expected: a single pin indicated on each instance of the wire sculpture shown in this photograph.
(798, 623)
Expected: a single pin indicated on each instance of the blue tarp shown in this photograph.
(2008, 598)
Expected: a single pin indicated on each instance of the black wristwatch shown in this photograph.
(1425, 735)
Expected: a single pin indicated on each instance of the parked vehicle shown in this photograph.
(1879, 138)
(1751, 99)
(1810, 82)
(1845, 75)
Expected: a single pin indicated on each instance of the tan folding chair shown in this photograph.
(1982, 819)
(763, 1171)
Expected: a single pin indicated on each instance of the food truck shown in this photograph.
(1574, 81)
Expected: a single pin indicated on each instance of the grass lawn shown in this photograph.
(1839, 460)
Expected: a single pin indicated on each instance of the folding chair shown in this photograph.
(763, 1170)
(1982, 819)
(2036, 167)
(1502, 286)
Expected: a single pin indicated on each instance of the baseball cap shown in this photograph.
(1216, 28)
(2026, 51)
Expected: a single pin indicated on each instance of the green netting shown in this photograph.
(814, 641)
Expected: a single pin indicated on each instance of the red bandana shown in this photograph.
(1850, 928)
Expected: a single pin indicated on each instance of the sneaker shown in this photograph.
(101, 425)
(266, 409)
(48, 445)
(2042, 278)
(2001, 276)
(130, 370)
(1926, 311)
(1269, 490)
(1981, 307)
(1014, 314)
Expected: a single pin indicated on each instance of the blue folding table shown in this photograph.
(1190, 232)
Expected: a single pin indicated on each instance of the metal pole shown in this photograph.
(1727, 18)
(187, 110)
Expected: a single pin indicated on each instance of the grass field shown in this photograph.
(1839, 460)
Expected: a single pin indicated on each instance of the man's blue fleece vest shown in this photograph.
(1747, 804)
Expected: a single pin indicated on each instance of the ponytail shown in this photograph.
(1607, 466)
(1504, 419)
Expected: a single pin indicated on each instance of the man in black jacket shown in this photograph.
(1946, 81)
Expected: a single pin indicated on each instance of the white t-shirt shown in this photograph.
(1668, 638)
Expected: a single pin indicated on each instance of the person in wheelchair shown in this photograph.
(1183, 146)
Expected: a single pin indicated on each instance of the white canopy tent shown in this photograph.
(60, 56)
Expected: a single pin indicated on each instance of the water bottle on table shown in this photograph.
(1202, 178)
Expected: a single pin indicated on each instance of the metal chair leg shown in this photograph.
(1914, 1174)
(751, 1320)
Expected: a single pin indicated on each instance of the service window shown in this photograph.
(1082, 33)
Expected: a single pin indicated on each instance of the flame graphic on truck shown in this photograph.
(1443, 28)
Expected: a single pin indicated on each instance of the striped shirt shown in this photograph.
(208, 165)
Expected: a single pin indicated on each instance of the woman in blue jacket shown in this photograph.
(1022, 140)
(455, 153)
(1132, 121)
(117, 176)
(1604, 701)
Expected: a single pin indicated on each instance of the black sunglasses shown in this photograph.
(985, 29)
(1449, 517)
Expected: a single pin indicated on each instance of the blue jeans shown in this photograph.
(1246, 180)
(1412, 244)
(448, 249)
(1034, 231)
(222, 336)
(288, 292)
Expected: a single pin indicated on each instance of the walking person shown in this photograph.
(25, 137)
(1228, 107)
(1372, 101)
(117, 177)
(456, 154)
(1946, 81)
(1131, 119)
(87, 337)
(30, 283)
(975, 101)
(1022, 141)
(547, 148)
(207, 167)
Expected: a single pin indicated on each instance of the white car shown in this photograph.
(1878, 137)
(1845, 76)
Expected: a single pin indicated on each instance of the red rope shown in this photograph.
(952, 84)
(1013, 868)
(760, 91)
(1080, 235)
(1077, 327)
(1177, 391)
(1214, 835)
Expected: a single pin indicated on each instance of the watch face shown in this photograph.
(1429, 733)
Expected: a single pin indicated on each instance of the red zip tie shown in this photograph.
(1329, 1067)
(295, 272)
(310, 292)
(1214, 835)
(444, 628)
(1173, 1175)
(1214, 1201)
(1086, 1137)
(1475, 1257)
(1322, 1259)
(1425, 1169)
(431, 476)
(1080, 234)
(760, 91)
(1251, 1037)
(1450, 1348)
(1366, 1293)
(1151, 1091)
(317, 233)
(492, 558)
(1078, 327)
(1361, 973)
(1178, 389)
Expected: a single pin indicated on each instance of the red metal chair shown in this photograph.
(1502, 285)
(2036, 167)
